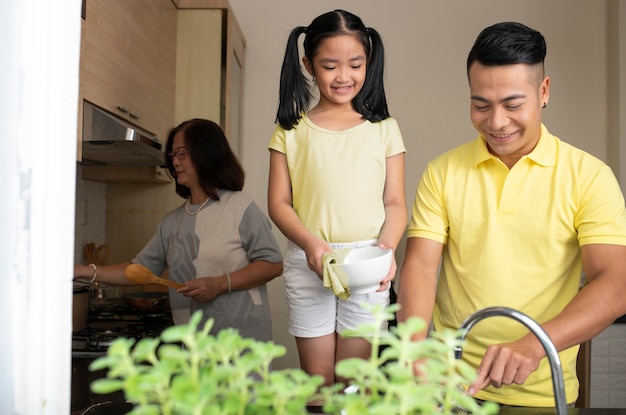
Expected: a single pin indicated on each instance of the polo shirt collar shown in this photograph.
(544, 153)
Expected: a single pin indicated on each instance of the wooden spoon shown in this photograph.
(102, 254)
(90, 252)
(142, 275)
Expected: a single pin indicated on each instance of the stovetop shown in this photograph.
(107, 323)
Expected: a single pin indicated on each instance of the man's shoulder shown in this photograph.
(571, 154)
(456, 154)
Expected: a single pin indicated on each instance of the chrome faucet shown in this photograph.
(538, 331)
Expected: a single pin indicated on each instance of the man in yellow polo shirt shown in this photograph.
(515, 216)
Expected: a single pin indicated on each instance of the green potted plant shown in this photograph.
(188, 371)
(386, 383)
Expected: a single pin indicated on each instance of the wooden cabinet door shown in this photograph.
(144, 76)
(233, 95)
(105, 49)
(210, 57)
(164, 92)
(199, 65)
(129, 60)
(152, 79)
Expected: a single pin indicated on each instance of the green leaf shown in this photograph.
(146, 410)
(145, 350)
(188, 371)
(104, 386)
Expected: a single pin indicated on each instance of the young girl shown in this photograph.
(336, 179)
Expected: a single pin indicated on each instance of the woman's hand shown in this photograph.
(83, 272)
(204, 289)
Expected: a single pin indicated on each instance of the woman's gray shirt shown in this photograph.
(225, 236)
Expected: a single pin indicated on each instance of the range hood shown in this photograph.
(110, 140)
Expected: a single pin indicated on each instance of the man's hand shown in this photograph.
(505, 364)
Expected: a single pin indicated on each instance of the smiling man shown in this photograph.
(515, 216)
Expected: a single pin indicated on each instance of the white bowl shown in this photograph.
(366, 267)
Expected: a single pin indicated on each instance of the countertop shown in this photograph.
(571, 411)
(533, 411)
(122, 408)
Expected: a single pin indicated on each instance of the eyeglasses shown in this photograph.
(179, 153)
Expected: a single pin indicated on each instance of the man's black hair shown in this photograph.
(508, 43)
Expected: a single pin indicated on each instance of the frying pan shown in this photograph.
(148, 301)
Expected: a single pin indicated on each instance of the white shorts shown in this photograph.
(315, 311)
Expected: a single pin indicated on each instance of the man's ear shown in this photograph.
(544, 91)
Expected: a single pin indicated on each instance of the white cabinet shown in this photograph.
(210, 57)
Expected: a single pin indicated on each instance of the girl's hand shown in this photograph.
(386, 282)
(314, 251)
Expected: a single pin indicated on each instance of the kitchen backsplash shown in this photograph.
(90, 215)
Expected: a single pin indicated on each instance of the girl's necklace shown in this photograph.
(189, 212)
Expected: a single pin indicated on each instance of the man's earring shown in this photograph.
(544, 105)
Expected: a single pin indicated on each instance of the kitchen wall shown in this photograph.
(426, 45)
(90, 215)
(608, 368)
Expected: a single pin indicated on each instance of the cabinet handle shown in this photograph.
(126, 110)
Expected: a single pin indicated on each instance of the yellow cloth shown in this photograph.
(335, 278)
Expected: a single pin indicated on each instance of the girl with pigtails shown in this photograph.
(336, 179)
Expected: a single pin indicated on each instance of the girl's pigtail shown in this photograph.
(371, 101)
(295, 93)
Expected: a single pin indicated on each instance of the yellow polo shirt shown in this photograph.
(512, 238)
(338, 177)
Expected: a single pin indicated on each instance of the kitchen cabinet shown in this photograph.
(207, 58)
(210, 55)
(127, 174)
(128, 61)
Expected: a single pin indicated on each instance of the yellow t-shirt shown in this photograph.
(512, 238)
(338, 177)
